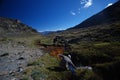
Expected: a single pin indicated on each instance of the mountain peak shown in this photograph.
(108, 15)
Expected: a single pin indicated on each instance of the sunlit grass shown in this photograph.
(102, 44)
(46, 66)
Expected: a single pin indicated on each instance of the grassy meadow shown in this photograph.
(102, 56)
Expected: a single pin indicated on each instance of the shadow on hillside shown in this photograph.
(56, 69)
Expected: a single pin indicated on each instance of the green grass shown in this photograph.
(102, 44)
(45, 66)
(101, 55)
(87, 75)
(46, 40)
(25, 78)
(23, 40)
(48, 68)
(87, 53)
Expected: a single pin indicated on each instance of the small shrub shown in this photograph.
(33, 63)
(87, 75)
(37, 75)
(3, 39)
(37, 42)
(25, 78)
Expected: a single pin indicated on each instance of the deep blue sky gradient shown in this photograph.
(50, 15)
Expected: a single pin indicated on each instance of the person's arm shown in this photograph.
(73, 64)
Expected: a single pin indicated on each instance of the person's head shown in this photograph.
(60, 56)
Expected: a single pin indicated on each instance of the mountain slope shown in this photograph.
(104, 26)
(14, 27)
(108, 15)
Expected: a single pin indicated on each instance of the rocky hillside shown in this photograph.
(108, 15)
(10, 27)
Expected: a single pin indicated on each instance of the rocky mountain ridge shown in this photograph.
(11, 27)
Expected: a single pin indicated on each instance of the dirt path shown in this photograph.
(14, 58)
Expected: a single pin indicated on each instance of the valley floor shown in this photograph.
(21, 60)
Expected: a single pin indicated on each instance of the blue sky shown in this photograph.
(51, 15)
